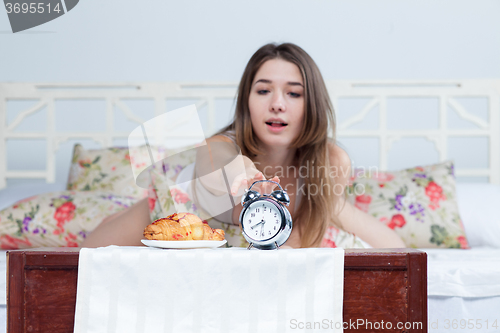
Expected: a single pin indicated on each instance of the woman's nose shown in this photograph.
(277, 104)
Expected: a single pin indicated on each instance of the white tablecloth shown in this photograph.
(140, 289)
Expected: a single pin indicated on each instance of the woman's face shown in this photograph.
(276, 103)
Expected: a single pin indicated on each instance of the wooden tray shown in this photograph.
(388, 285)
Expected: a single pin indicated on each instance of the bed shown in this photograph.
(463, 288)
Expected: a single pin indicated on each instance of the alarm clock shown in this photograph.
(265, 221)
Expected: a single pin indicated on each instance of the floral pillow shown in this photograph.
(110, 169)
(57, 219)
(162, 189)
(335, 237)
(419, 204)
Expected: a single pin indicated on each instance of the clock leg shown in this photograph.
(277, 246)
(249, 246)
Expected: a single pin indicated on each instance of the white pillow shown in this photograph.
(479, 206)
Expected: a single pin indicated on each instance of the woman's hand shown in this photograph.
(244, 181)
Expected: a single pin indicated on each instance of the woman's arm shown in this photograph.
(124, 228)
(367, 227)
(351, 218)
(221, 152)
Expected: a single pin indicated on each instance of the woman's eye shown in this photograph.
(294, 94)
(262, 92)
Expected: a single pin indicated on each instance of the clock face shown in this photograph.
(262, 220)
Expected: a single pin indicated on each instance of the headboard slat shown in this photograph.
(162, 93)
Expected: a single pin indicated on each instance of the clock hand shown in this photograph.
(256, 225)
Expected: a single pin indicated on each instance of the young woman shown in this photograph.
(282, 124)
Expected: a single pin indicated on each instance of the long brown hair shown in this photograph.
(315, 212)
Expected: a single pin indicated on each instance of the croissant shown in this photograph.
(182, 226)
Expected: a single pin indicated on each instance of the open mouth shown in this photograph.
(276, 124)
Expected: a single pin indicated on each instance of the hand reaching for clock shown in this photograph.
(244, 181)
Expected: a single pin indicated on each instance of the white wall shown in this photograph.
(212, 40)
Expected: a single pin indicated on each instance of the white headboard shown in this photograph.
(374, 93)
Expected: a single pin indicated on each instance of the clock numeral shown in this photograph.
(249, 221)
(262, 234)
(265, 208)
(253, 215)
(269, 232)
(277, 221)
(257, 210)
(274, 227)
(275, 214)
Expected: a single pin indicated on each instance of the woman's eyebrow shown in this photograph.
(269, 81)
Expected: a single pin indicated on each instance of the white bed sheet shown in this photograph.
(479, 314)
(463, 273)
(3, 318)
(3, 291)
(3, 277)
(463, 290)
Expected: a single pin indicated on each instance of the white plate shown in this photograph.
(190, 244)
